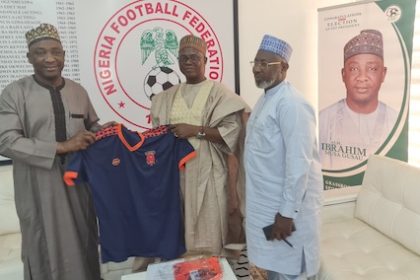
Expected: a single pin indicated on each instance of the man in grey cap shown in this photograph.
(43, 118)
(356, 126)
(283, 172)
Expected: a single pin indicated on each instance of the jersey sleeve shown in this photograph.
(185, 152)
(74, 171)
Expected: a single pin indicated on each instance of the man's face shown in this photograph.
(267, 76)
(363, 75)
(192, 64)
(47, 58)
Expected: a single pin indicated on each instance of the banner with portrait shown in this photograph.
(122, 52)
(364, 80)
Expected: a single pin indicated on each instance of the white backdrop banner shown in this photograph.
(121, 51)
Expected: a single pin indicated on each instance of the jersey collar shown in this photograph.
(125, 142)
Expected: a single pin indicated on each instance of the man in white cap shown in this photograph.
(43, 118)
(283, 172)
(355, 127)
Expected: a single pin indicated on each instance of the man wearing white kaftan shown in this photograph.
(283, 172)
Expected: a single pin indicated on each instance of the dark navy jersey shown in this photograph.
(134, 180)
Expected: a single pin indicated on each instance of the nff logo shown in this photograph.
(136, 54)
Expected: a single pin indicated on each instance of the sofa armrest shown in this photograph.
(337, 196)
(339, 204)
(338, 212)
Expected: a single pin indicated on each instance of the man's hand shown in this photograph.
(283, 227)
(183, 130)
(80, 141)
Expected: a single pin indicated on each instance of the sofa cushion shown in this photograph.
(352, 250)
(8, 217)
(389, 200)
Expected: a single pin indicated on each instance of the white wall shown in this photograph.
(296, 22)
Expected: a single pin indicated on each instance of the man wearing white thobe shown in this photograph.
(283, 172)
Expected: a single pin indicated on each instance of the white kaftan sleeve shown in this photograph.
(298, 127)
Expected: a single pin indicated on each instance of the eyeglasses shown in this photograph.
(263, 64)
(194, 58)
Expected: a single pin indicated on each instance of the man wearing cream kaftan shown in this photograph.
(204, 182)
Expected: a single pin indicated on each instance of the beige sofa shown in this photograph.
(10, 264)
(376, 235)
(11, 267)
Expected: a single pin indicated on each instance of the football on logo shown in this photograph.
(160, 78)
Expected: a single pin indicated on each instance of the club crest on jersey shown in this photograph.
(116, 161)
(150, 158)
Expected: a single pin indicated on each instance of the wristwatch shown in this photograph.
(201, 134)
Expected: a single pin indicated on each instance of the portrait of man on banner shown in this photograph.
(357, 125)
(363, 79)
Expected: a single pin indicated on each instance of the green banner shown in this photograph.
(364, 81)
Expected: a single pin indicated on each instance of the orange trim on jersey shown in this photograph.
(130, 148)
(69, 177)
(163, 129)
(183, 161)
(106, 132)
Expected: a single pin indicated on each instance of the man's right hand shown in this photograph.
(78, 142)
(283, 227)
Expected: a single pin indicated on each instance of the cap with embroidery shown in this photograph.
(191, 41)
(277, 46)
(43, 31)
(368, 41)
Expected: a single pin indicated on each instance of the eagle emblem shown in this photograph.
(162, 43)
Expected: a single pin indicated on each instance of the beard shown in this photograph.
(264, 84)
